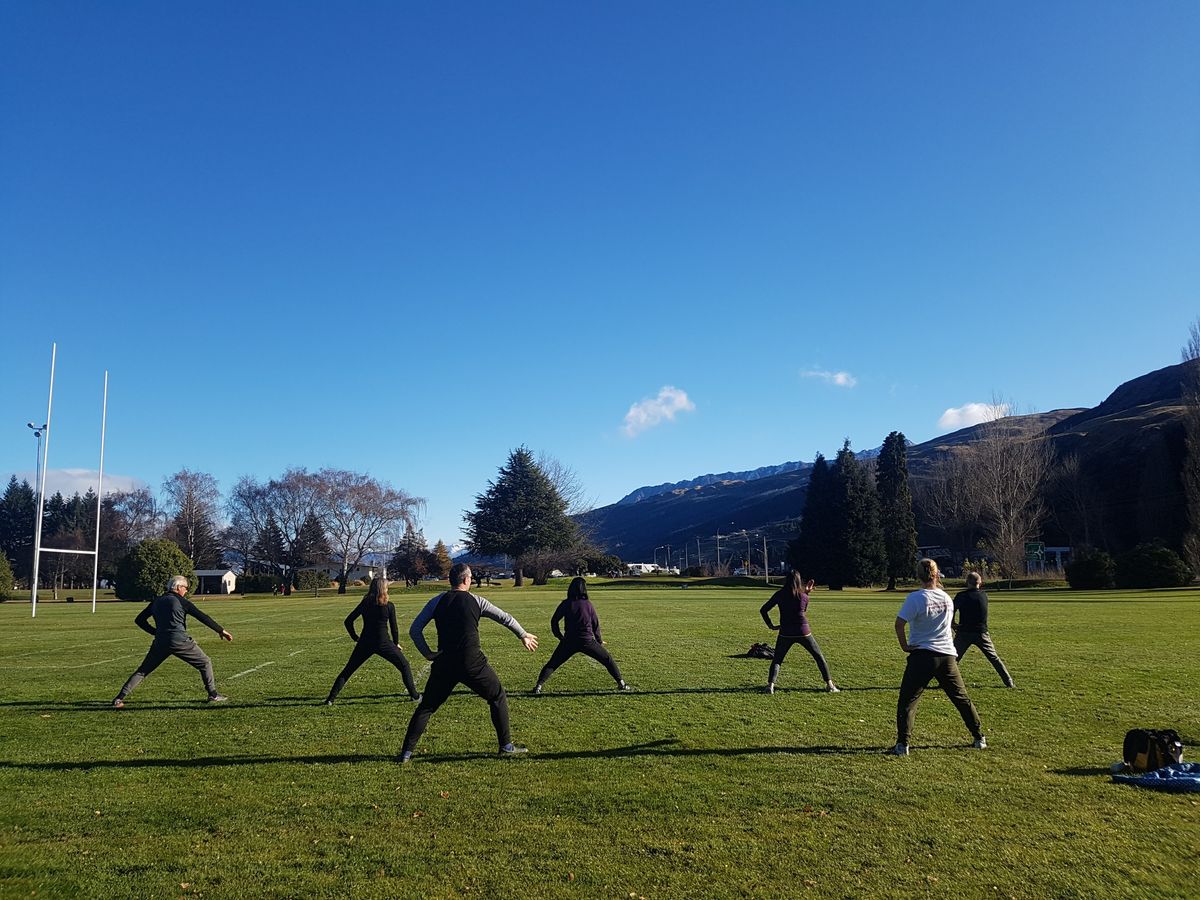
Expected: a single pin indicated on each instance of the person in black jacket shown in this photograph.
(379, 616)
(971, 606)
(170, 612)
(583, 636)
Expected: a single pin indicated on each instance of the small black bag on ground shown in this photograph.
(761, 651)
(1147, 749)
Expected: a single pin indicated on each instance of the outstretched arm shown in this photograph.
(496, 614)
(193, 610)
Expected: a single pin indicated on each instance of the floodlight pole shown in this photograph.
(100, 491)
(37, 534)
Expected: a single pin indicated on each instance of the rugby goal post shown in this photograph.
(38, 549)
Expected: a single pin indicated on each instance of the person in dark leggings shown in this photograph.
(793, 628)
(170, 612)
(971, 606)
(583, 636)
(379, 616)
(930, 647)
(459, 658)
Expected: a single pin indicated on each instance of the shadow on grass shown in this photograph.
(1083, 771)
(666, 747)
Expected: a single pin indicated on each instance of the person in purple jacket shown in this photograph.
(793, 628)
(583, 636)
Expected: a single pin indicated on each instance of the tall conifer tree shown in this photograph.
(896, 508)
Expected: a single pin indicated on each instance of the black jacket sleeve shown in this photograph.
(143, 620)
(193, 610)
(556, 618)
(349, 623)
(392, 623)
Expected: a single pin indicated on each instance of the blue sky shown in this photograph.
(404, 238)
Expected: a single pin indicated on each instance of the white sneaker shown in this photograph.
(980, 743)
(898, 750)
(770, 689)
(832, 688)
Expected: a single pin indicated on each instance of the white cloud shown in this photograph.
(72, 481)
(837, 379)
(972, 414)
(652, 411)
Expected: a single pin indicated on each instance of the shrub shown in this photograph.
(311, 580)
(1151, 566)
(7, 588)
(1091, 570)
(142, 574)
(257, 583)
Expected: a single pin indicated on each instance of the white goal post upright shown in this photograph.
(38, 549)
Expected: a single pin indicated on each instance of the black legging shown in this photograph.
(446, 673)
(566, 649)
(785, 642)
(363, 651)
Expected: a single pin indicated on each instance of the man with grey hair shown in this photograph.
(459, 659)
(971, 606)
(170, 612)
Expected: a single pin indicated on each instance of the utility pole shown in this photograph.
(766, 568)
(718, 548)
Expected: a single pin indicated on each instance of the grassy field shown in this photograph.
(696, 785)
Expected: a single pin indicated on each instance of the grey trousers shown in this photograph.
(963, 641)
(190, 653)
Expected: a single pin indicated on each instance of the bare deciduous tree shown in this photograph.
(1191, 350)
(568, 484)
(361, 516)
(1008, 472)
(1074, 501)
(192, 500)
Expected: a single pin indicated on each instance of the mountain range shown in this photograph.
(1130, 450)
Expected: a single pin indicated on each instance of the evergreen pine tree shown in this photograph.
(521, 512)
(896, 508)
(440, 562)
(857, 556)
(269, 548)
(18, 508)
(809, 552)
(310, 548)
(411, 559)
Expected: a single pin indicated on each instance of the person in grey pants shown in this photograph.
(971, 606)
(170, 612)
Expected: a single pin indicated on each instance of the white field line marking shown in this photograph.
(79, 666)
(255, 669)
(59, 649)
(296, 653)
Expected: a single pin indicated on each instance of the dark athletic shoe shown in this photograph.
(405, 757)
(417, 698)
(980, 743)
(513, 750)
(327, 703)
(624, 688)
(769, 689)
(898, 750)
(118, 703)
(217, 698)
(537, 689)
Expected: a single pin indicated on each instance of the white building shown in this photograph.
(216, 581)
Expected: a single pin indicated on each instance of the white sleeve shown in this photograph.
(496, 614)
(908, 609)
(416, 631)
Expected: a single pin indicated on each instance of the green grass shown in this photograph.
(697, 785)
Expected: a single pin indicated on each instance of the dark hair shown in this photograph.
(794, 584)
(577, 589)
(458, 574)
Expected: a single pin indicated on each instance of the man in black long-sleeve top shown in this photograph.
(971, 606)
(170, 612)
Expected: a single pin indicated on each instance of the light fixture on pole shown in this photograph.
(38, 430)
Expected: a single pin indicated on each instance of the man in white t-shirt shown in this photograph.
(927, 614)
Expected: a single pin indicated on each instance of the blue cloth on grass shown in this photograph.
(1177, 777)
